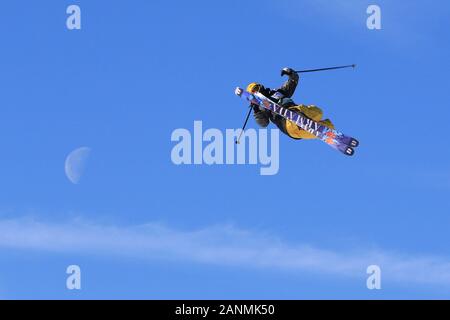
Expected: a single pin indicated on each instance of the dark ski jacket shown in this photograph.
(281, 96)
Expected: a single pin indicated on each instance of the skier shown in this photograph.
(282, 96)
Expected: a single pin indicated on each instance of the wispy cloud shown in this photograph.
(399, 28)
(218, 245)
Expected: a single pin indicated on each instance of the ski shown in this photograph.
(322, 132)
(333, 138)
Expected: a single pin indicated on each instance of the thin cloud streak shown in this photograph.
(217, 245)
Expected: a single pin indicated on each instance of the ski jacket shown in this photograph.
(281, 96)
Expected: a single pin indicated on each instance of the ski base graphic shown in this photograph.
(337, 140)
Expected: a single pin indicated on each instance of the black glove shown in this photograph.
(287, 72)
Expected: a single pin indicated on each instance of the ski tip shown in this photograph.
(238, 91)
(354, 143)
(349, 151)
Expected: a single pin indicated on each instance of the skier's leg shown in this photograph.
(284, 126)
(261, 117)
(313, 112)
(327, 123)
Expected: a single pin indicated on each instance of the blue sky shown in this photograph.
(141, 227)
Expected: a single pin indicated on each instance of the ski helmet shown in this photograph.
(254, 87)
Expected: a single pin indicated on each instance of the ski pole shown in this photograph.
(325, 69)
(238, 141)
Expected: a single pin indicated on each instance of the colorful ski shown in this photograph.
(333, 138)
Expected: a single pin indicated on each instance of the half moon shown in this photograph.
(76, 163)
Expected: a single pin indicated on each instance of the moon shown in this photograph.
(76, 163)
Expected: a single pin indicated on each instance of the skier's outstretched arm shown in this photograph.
(288, 88)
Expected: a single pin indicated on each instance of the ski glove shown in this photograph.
(287, 72)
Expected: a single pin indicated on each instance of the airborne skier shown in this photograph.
(283, 97)
(296, 121)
